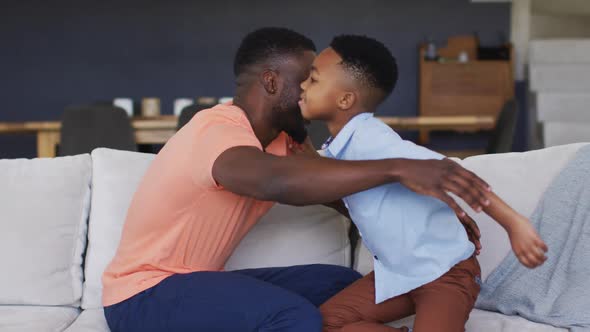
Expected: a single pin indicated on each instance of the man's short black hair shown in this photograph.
(266, 43)
(368, 61)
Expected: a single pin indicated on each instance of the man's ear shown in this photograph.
(269, 80)
(346, 100)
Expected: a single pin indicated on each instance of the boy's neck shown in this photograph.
(338, 122)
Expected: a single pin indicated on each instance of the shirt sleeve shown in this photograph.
(410, 150)
(212, 140)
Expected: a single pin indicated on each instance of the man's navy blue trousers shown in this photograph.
(268, 299)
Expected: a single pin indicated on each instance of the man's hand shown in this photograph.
(472, 231)
(437, 178)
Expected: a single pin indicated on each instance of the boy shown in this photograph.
(424, 262)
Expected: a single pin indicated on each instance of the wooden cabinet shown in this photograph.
(477, 87)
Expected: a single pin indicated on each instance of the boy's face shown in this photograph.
(324, 87)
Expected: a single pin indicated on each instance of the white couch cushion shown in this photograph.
(91, 320)
(43, 213)
(363, 260)
(290, 235)
(36, 318)
(487, 321)
(116, 175)
(286, 236)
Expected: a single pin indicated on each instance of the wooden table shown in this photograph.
(450, 123)
(158, 130)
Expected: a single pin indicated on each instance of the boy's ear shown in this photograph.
(346, 100)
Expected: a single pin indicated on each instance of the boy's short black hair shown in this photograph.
(368, 61)
(266, 43)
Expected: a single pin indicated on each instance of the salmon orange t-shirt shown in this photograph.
(180, 220)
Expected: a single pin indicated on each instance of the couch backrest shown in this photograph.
(286, 235)
(518, 178)
(43, 212)
(290, 235)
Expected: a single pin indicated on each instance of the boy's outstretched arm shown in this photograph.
(526, 243)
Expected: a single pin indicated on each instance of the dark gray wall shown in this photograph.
(56, 53)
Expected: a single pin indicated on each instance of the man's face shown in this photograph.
(293, 72)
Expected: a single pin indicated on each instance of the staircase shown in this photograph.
(560, 81)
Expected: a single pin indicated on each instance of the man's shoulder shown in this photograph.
(217, 126)
(222, 114)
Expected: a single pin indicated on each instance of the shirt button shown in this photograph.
(376, 257)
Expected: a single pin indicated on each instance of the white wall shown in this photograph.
(520, 35)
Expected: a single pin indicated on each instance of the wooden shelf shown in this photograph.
(474, 88)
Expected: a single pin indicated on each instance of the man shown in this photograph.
(212, 182)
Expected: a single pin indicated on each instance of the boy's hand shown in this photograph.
(472, 231)
(527, 244)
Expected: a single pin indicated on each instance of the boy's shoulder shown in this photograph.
(375, 132)
(373, 139)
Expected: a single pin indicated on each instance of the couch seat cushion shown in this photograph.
(91, 320)
(36, 318)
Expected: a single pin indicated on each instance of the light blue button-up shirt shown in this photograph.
(415, 239)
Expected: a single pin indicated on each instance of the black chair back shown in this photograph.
(188, 112)
(503, 135)
(86, 128)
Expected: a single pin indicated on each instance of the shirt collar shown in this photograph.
(334, 145)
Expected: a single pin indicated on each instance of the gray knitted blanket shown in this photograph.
(558, 292)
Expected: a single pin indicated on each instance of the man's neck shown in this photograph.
(259, 115)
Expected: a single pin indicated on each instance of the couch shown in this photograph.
(61, 219)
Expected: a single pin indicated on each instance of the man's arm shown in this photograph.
(306, 148)
(301, 180)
